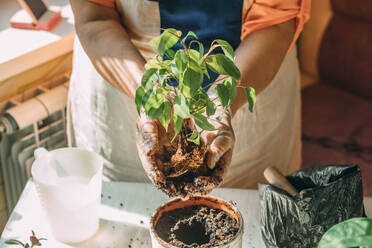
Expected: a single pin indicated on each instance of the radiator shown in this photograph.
(35, 118)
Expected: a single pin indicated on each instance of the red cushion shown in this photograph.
(337, 129)
(345, 56)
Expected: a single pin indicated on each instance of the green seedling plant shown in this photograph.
(188, 67)
(33, 239)
(172, 91)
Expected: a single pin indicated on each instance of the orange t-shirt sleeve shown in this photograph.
(265, 13)
(106, 3)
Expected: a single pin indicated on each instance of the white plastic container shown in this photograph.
(68, 182)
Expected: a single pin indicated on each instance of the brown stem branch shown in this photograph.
(210, 84)
(207, 54)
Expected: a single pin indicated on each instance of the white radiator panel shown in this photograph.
(40, 114)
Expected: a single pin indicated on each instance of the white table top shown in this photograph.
(16, 42)
(125, 212)
(122, 225)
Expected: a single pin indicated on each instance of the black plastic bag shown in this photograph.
(327, 195)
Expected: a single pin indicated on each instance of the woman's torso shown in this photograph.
(103, 119)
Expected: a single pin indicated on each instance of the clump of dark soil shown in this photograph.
(196, 226)
(180, 160)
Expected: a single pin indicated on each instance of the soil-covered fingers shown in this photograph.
(147, 134)
(222, 167)
(147, 140)
(220, 144)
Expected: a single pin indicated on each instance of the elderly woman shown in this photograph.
(113, 47)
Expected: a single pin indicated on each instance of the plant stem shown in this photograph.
(184, 47)
(207, 54)
(210, 84)
(194, 111)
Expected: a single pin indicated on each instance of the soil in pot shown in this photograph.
(196, 226)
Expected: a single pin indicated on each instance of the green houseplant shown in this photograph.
(356, 232)
(172, 92)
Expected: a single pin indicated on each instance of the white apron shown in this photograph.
(102, 119)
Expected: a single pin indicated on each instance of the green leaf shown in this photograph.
(149, 78)
(13, 242)
(194, 65)
(221, 64)
(152, 63)
(199, 101)
(251, 96)
(147, 95)
(223, 94)
(178, 121)
(201, 50)
(211, 108)
(194, 137)
(162, 92)
(227, 49)
(190, 33)
(201, 97)
(355, 232)
(180, 107)
(203, 122)
(165, 41)
(194, 52)
(205, 70)
(166, 116)
(155, 113)
(166, 66)
(140, 92)
(174, 69)
(191, 82)
(231, 87)
(154, 106)
(181, 61)
(233, 94)
(194, 55)
(170, 53)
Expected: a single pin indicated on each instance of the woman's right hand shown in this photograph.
(151, 137)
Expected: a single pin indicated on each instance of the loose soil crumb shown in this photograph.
(197, 226)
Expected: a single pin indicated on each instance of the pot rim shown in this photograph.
(167, 245)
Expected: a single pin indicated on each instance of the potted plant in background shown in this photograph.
(171, 92)
(33, 239)
(356, 232)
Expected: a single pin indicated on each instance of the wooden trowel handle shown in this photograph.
(276, 178)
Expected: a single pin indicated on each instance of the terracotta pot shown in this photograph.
(209, 201)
